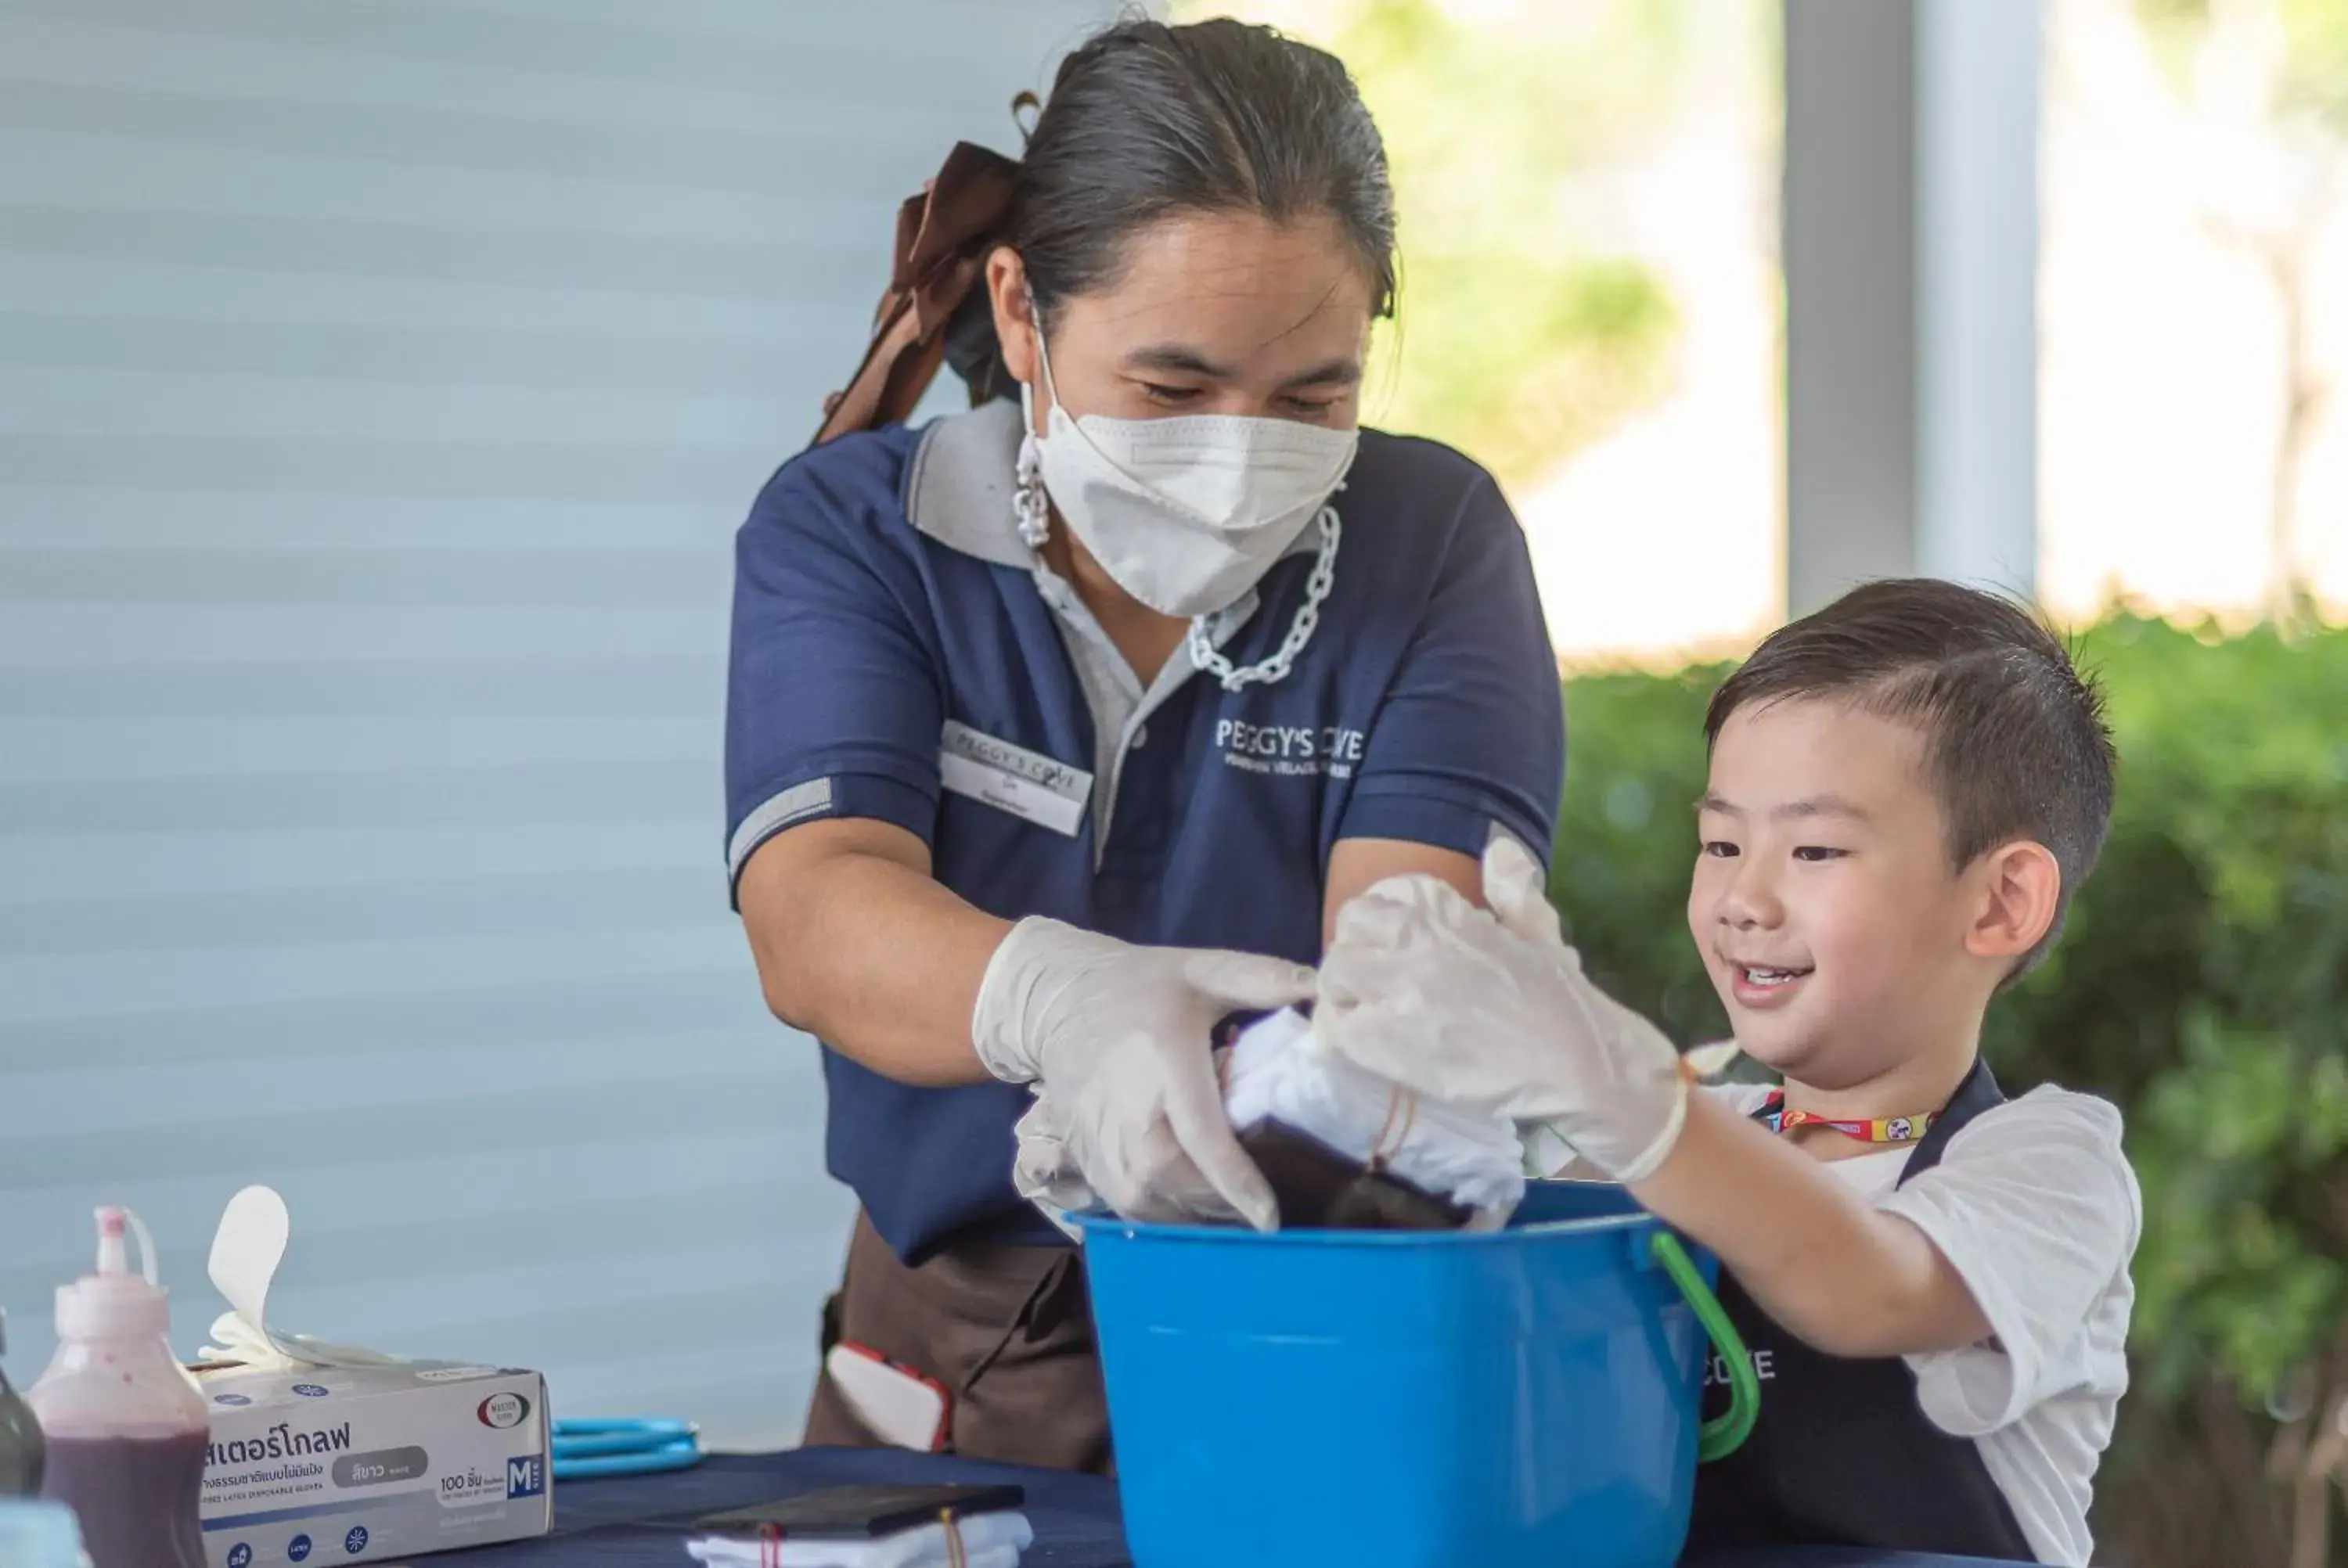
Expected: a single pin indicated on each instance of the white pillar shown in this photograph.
(1911, 260)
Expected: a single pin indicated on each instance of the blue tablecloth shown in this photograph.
(641, 1523)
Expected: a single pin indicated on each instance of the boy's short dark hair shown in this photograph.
(2016, 745)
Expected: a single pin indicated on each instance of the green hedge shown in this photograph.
(2202, 984)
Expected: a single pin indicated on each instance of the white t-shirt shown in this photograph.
(2036, 1208)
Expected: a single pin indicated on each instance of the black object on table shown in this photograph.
(642, 1521)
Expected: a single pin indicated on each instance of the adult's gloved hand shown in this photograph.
(1492, 1012)
(1117, 1039)
(1045, 1172)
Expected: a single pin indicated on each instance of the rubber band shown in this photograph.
(1390, 1139)
(955, 1556)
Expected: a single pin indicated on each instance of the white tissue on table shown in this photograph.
(988, 1541)
(1276, 1071)
(246, 1250)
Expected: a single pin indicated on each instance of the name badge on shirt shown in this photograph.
(1028, 784)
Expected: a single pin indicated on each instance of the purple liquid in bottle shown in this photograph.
(125, 1425)
(136, 1497)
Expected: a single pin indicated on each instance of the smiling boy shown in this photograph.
(1905, 790)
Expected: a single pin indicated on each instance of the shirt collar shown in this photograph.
(958, 488)
(958, 491)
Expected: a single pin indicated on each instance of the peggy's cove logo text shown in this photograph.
(1297, 751)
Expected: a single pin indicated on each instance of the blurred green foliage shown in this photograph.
(1524, 332)
(2307, 41)
(2202, 983)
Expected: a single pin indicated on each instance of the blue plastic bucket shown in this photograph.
(1387, 1399)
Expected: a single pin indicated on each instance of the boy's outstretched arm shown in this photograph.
(1848, 1278)
(2017, 1231)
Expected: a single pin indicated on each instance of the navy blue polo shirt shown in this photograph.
(899, 654)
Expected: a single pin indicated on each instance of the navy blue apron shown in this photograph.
(1843, 1455)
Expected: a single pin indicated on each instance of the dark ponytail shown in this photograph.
(1146, 121)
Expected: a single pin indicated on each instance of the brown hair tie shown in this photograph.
(943, 237)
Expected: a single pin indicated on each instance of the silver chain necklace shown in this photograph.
(1034, 513)
(1207, 658)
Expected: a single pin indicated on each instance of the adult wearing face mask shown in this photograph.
(1060, 729)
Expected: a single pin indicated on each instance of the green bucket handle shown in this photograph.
(1724, 1433)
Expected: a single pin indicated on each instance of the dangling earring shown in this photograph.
(1027, 498)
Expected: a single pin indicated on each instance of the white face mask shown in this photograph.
(1187, 513)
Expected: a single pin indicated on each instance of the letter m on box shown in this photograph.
(526, 1476)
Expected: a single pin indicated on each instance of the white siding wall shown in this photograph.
(380, 386)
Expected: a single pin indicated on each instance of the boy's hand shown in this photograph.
(1493, 1012)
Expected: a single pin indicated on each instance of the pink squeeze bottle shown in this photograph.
(125, 1424)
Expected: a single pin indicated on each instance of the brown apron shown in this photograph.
(1007, 1329)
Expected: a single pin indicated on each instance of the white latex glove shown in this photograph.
(1045, 1172)
(1492, 1012)
(1118, 1037)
